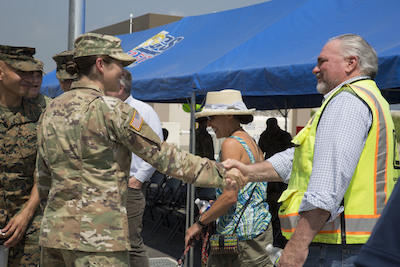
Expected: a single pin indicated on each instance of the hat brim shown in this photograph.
(124, 58)
(22, 65)
(213, 112)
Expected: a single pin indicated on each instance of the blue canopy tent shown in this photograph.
(266, 50)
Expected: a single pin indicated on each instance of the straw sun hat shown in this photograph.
(226, 102)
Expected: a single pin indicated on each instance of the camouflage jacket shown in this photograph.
(18, 147)
(85, 145)
(42, 100)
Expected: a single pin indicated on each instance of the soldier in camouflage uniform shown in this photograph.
(85, 145)
(34, 91)
(63, 76)
(19, 213)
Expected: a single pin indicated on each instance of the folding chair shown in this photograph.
(168, 201)
(153, 193)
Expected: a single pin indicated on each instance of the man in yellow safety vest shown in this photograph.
(345, 163)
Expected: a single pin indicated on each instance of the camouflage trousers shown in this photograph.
(27, 251)
(52, 257)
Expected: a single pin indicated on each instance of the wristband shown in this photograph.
(200, 223)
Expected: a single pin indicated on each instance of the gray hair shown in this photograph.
(355, 45)
(126, 81)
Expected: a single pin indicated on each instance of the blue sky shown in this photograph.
(43, 24)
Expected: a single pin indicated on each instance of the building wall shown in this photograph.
(141, 23)
(176, 121)
(299, 119)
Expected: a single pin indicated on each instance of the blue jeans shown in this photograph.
(326, 255)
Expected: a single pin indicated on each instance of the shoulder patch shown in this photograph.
(137, 121)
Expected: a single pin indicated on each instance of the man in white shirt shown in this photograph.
(140, 172)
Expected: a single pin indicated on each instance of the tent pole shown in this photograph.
(190, 187)
(286, 114)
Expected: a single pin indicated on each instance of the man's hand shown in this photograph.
(294, 256)
(236, 174)
(15, 229)
(233, 163)
(296, 250)
(135, 183)
(258, 172)
(235, 179)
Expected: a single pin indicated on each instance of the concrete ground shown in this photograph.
(163, 252)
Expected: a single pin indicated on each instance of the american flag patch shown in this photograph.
(137, 121)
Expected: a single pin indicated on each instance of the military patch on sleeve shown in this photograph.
(137, 121)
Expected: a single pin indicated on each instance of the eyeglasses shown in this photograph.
(210, 118)
(68, 80)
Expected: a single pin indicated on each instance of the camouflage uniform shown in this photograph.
(18, 148)
(85, 145)
(17, 161)
(42, 100)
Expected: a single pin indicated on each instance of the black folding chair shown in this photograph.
(170, 193)
(153, 193)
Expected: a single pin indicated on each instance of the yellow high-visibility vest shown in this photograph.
(372, 182)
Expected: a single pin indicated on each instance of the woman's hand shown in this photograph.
(192, 233)
(235, 179)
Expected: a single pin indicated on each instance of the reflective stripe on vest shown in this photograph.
(354, 224)
(380, 174)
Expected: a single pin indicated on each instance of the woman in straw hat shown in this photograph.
(85, 141)
(226, 112)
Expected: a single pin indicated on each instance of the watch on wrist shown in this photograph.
(199, 222)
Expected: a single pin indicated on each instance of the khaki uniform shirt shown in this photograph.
(85, 145)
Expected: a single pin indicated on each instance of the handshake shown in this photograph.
(228, 174)
(239, 174)
(235, 174)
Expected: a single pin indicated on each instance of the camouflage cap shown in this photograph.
(20, 58)
(39, 65)
(91, 44)
(62, 59)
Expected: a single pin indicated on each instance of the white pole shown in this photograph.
(76, 21)
(131, 23)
